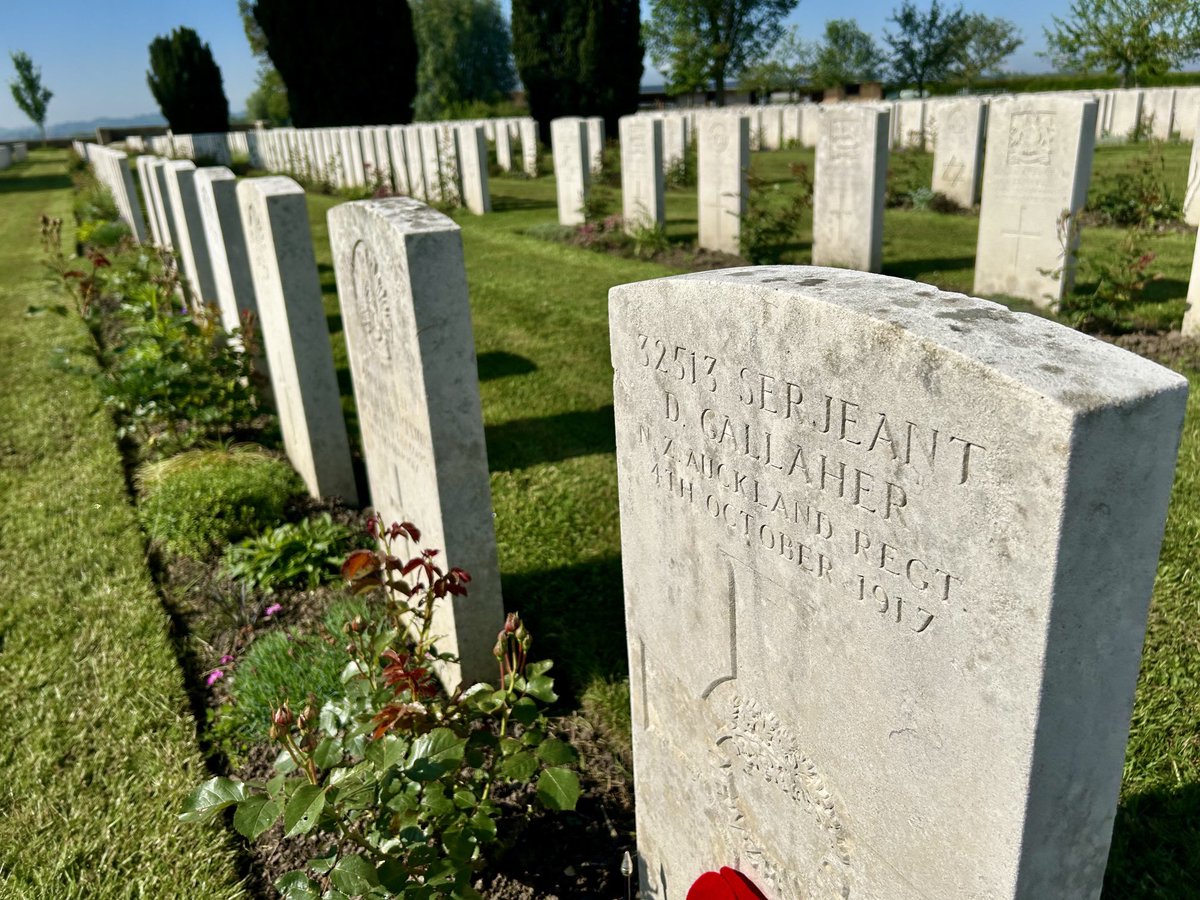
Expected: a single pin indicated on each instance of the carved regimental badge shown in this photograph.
(1031, 138)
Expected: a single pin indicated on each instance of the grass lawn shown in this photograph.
(540, 319)
(97, 741)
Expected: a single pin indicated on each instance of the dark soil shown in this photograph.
(1170, 349)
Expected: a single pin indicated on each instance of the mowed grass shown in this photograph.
(540, 318)
(97, 742)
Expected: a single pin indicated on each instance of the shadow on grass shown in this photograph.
(912, 269)
(1156, 846)
(576, 615)
(13, 185)
(501, 203)
(500, 364)
(526, 442)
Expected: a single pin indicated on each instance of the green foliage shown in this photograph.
(1134, 38)
(1018, 84)
(1141, 194)
(388, 761)
(698, 42)
(986, 42)
(269, 99)
(186, 82)
(771, 222)
(681, 173)
(277, 668)
(846, 55)
(649, 240)
(599, 203)
(355, 64)
(93, 202)
(909, 172)
(1117, 280)
(304, 554)
(925, 45)
(786, 68)
(578, 58)
(104, 234)
(31, 97)
(196, 503)
(465, 55)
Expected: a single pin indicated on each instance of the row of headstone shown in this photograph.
(887, 558)
(1032, 186)
(6, 156)
(111, 167)
(247, 248)
(438, 162)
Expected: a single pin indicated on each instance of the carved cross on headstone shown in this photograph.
(1022, 231)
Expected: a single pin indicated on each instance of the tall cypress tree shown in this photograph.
(578, 57)
(350, 63)
(186, 82)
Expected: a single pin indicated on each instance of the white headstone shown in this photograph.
(395, 137)
(216, 192)
(568, 140)
(848, 187)
(810, 123)
(149, 189)
(430, 164)
(295, 334)
(529, 146)
(1126, 112)
(403, 292)
(722, 161)
(595, 143)
(958, 154)
(503, 148)
(887, 557)
(674, 131)
(162, 200)
(1037, 168)
(472, 158)
(1191, 195)
(772, 127)
(416, 166)
(190, 242)
(1158, 113)
(642, 203)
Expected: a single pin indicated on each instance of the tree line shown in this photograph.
(390, 61)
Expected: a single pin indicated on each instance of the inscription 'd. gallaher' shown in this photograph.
(780, 474)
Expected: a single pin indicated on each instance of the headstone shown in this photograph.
(472, 158)
(1191, 317)
(722, 161)
(529, 146)
(211, 148)
(675, 141)
(958, 154)
(430, 163)
(295, 334)
(503, 148)
(216, 192)
(416, 165)
(810, 123)
(20, 151)
(403, 292)
(791, 126)
(6, 156)
(772, 127)
(1037, 167)
(595, 144)
(754, 115)
(910, 124)
(449, 166)
(1191, 194)
(146, 181)
(399, 160)
(1158, 113)
(189, 230)
(369, 163)
(162, 202)
(1126, 113)
(887, 556)
(848, 187)
(1187, 112)
(568, 140)
(642, 204)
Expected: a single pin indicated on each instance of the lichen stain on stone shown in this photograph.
(977, 314)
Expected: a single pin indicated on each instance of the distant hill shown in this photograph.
(77, 129)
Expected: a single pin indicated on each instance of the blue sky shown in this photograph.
(94, 57)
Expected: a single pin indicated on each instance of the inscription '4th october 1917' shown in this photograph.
(790, 459)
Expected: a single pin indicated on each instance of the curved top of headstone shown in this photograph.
(404, 214)
(1072, 369)
(270, 185)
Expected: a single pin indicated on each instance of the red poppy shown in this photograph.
(728, 884)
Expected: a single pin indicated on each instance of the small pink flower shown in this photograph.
(213, 677)
(272, 609)
(226, 659)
